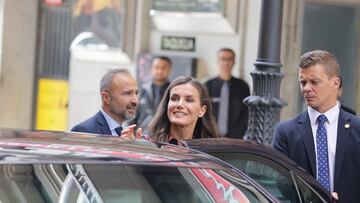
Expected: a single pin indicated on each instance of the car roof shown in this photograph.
(23, 147)
(236, 145)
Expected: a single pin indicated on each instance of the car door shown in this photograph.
(283, 183)
(274, 171)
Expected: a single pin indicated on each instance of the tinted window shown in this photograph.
(166, 184)
(275, 178)
(143, 184)
(122, 183)
(308, 194)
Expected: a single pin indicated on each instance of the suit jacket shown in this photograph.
(238, 111)
(95, 124)
(147, 107)
(294, 138)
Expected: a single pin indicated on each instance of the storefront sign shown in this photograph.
(189, 5)
(178, 43)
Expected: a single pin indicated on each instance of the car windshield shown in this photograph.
(122, 183)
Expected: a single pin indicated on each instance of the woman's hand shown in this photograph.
(128, 132)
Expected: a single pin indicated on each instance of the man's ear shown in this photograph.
(105, 96)
(337, 81)
(202, 111)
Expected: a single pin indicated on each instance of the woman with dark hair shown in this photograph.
(184, 112)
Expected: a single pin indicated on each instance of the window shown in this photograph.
(275, 178)
(83, 183)
(307, 193)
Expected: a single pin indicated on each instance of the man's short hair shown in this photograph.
(165, 58)
(226, 49)
(107, 78)
(325, 58)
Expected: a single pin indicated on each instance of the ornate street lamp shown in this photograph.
(265, 104)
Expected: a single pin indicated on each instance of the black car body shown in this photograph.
(40, 166)
(273, 170)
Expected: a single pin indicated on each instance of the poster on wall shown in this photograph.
(102, 18)
(52, 104)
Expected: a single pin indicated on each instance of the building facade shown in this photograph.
(153, 27)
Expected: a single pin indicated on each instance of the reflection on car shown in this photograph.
(40, 166)
(273, 170)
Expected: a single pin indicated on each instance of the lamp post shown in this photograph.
(265, 104)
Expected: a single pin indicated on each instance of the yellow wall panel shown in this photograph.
(52, 104)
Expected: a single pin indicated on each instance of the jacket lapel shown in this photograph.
(343, 134)
(304, 127)
(103, 126)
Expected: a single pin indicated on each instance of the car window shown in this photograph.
(168, 184)
(252, 194)
(119, 183)
(83, 183)
(308, 194)
(275, 178)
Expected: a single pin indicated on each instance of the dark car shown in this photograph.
(40, 166)
(273, 170)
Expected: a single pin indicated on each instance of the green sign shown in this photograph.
(174, 43)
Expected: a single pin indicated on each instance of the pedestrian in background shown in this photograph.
(152, 92)
(324, 140)
(118, 90)
(227, 94)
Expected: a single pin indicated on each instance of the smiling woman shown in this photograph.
(184, 112)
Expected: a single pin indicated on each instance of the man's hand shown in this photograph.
(334, 196)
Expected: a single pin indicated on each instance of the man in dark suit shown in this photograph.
(227, 94)
(325, 140)
(152, 92)
(118, 90)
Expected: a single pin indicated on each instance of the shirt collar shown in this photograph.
(111, 122)
(331, 115)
